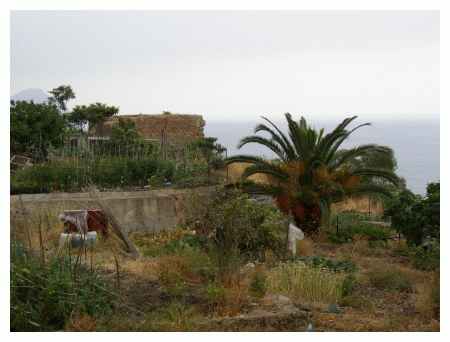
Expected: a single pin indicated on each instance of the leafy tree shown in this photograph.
(35, 128)
(61, 95)
(125, 140)
(124, 133)
(415, 217)
(310, 173)
(211, 151)
(91, 114)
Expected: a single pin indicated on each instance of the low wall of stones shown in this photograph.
(151, 211)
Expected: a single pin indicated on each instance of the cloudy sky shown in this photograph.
(234, 64)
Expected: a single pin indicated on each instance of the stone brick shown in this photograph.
(178, 128)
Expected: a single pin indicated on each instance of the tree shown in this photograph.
(211, 151)
(415, 217)
(310, 173)
(61, 95)
(91, 114)
(35, 128)
(125, 139)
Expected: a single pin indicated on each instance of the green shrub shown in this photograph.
(44, 296)
(330, 264)
(215, 294)
(427, 256)
(390, 279)
(258, 284)
(371, 232)
(239, 224)
(348, 285)
(416, 217)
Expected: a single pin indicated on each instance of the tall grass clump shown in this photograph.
(44, 295)
(302, 282)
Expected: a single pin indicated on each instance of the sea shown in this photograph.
(414, 138)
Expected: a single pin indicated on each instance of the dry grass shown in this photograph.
(304, 283)
(305, 247)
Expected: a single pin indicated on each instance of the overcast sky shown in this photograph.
(233, 64)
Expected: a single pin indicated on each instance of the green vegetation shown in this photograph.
(45, 295)
(326, 263)
(416, 218)
(35, 128)
(310, 172)
(73, 175)
(229, 257)
(258, 284)
(90, 115)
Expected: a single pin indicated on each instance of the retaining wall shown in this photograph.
(153, 210)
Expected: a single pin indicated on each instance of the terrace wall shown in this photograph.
(151, 211)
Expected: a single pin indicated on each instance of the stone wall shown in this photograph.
(179, 128)
(152, 211)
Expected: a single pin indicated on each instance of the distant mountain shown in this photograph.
(32, 94)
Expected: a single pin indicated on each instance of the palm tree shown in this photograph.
(310, 171)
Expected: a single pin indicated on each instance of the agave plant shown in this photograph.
(311, 171)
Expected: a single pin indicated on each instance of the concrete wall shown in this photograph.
(153, 210)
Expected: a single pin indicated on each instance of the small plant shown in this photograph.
(330, 264)
(215, 294)
(258, 284)
(390, 279)
(348, 285)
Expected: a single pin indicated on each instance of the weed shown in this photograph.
(348, 285)
(330, 264)
(390, 279)
(44, 296)
(258, 284)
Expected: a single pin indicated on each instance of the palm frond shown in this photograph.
(357, 152)
(377, 173)
(370, 189)
(338, 142)
(267, 169)
(278, 136)
(244, 158)
(270, 144)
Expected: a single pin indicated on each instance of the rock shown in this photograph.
(276, 300)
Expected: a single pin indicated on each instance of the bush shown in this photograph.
(237, 224)
(348, 233)
(258, 284)
(348, 285)
(44, 296)
(416, 218)
(427, 256)
(390, 279)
